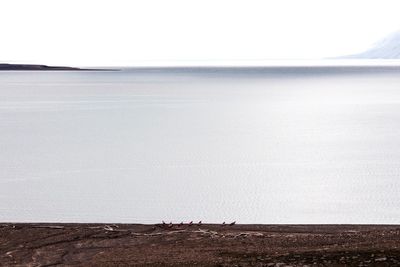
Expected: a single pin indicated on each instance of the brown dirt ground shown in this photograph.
(204, 245)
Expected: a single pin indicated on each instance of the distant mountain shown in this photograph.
(388, 48)
(5, 66)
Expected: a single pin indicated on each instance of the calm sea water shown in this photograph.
(306, 145)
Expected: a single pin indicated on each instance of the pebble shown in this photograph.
(380, 259)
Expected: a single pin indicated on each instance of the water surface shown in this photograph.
(255, 146)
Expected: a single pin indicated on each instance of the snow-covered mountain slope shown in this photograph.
(388, 48)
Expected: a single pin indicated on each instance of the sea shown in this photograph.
(255, 145)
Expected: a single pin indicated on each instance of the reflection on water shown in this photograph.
(258, 146)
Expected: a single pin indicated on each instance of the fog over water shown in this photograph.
(256, 145)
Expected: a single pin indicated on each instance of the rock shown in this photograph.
(381, 259)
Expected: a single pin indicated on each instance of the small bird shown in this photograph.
(191, 223)
(170, 225)
(199, 223)
(163, 223)
(232, 223)
(223, 224)
(181, 224)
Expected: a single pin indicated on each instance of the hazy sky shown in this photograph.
(128, 32)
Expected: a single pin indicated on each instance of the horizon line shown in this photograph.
(327, 62)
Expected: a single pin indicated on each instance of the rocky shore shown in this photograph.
(203, 245)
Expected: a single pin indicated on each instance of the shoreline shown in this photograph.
(205, 244)
(35, 67)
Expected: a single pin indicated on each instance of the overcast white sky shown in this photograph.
(128, 32)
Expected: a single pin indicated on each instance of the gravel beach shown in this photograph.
(203, 245)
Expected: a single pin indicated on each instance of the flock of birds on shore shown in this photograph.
(170, 225)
